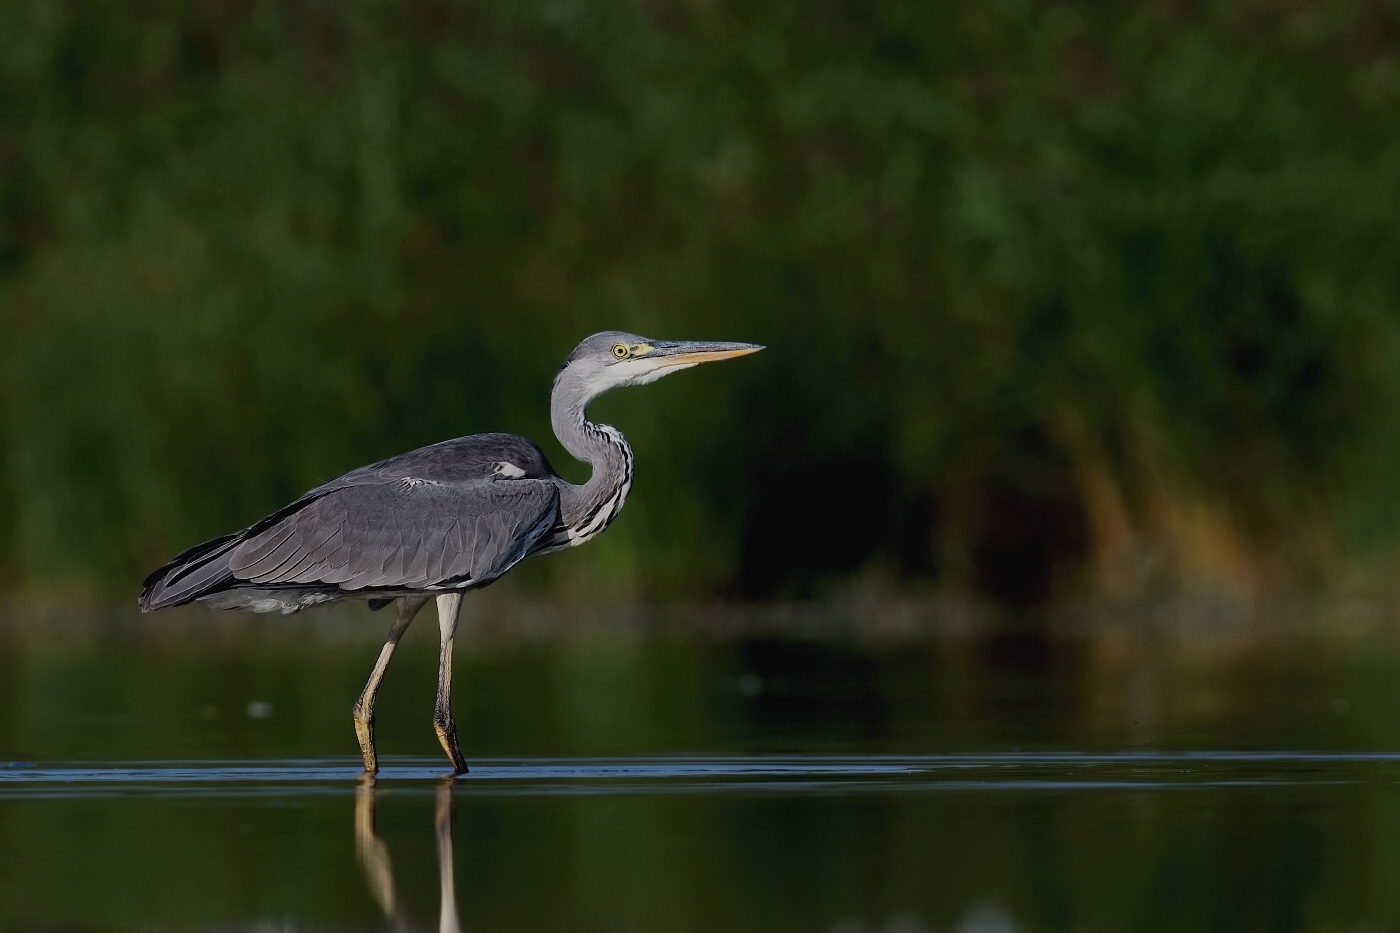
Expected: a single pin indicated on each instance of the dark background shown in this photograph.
(1060, 300)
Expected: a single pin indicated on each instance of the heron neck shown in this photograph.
(587, 509)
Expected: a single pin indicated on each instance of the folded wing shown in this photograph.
(402, 534)
(453, 515)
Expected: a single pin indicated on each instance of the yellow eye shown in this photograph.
(620, 352)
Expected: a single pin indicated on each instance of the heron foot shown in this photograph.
(447, 734)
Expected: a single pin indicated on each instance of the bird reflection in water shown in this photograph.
(379, 872)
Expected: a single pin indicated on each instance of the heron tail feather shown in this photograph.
(196, 572)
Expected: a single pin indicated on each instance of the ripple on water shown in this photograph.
(708, 774)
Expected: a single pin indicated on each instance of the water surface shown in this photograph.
(188, 776)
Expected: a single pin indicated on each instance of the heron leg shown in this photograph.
(448, 605)
(405, 608)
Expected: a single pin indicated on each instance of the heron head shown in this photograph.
(616, 358)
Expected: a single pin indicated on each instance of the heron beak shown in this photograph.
(691, 352)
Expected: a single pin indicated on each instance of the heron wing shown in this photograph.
(408, 533)
(348, 529)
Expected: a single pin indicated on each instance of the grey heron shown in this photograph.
(435, 522)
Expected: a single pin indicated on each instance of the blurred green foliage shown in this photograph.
(1059, 297)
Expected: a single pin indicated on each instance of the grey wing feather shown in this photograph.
(460, 460)
(347, 531)
(391, 535)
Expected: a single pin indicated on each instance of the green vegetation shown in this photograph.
(1073, 299)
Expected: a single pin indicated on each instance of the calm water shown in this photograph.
(199, 772)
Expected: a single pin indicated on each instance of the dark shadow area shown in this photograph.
(1020, 519)
(1026, 528)
(822, 518)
